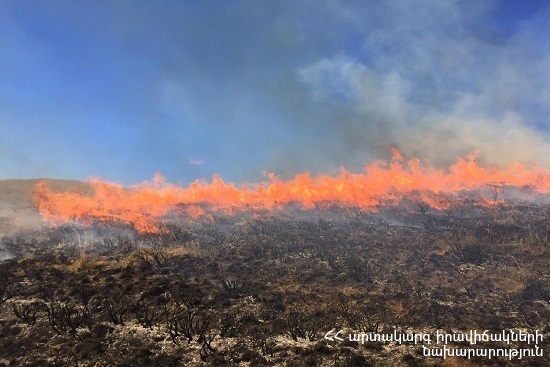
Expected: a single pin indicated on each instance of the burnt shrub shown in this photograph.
(27, 311)
(321, 348)
(356, 360)
(249, 355)
(100, 331)
(536, 288)
(471, 253)
(410, 360)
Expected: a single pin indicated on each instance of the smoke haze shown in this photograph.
(122, 89)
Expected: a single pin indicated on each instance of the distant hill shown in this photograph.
(17, 210)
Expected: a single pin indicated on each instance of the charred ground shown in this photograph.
(263, 288)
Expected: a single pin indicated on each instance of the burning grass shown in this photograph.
(380, 185)
(224, 274)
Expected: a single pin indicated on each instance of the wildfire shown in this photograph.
(142, 205)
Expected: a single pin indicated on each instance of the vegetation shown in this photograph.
(261, 290)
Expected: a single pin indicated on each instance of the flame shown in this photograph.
(380, 183)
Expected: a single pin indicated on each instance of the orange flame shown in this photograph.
(144, 204)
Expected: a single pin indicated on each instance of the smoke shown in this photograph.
(435, 84)
(382, 112)
(312, 86)
(287, 86)
(5, 255)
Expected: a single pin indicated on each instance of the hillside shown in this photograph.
(107, 295)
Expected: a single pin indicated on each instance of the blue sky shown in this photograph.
(123, 89)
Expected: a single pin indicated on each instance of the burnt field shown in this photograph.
(262, 288)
